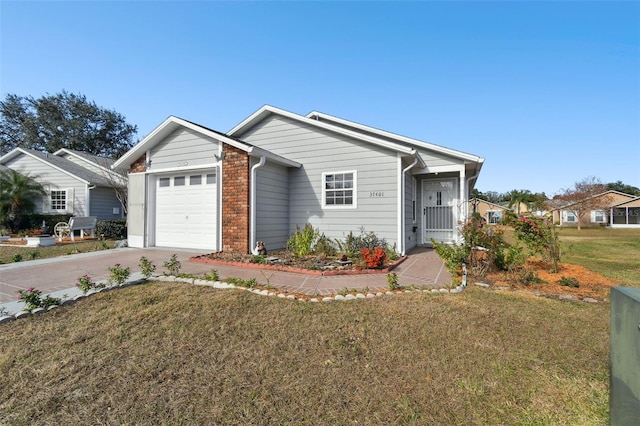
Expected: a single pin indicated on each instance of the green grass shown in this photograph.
(177, 354)
(613, 253)
(7, 252)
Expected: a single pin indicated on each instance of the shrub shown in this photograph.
(325, 245)
(373, 258)
(85, 284)
(352, 243)
(453, 255)
(147, 267)
(119, 274)
(112, 228)
(259, 259)
(173, 265)
(538, 235)
(392, 281)
(32, 299)
(302, 241)
(212, 276)
(569, 282)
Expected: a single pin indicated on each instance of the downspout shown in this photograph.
(466, 184)
(252, 205)
(403, 231)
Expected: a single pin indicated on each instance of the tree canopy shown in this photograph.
(64, 120)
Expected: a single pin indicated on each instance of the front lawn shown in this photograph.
(180, 354)
(10, 254)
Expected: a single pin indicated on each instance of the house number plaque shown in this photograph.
(376, 194)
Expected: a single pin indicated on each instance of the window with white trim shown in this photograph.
(339, 189)
(58, 200)
(570, 217)
(494, 217)
(598, 216)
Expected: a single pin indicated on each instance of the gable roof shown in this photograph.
(172, 123)
(95, 159)
(632, 202)
(480, 200)
(611, 191)
(61, 164)
(268, 110)
(319, 116)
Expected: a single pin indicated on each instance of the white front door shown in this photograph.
(439, 201)
(186, 210)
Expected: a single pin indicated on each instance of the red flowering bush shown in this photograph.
(373, 258)
(539, 235)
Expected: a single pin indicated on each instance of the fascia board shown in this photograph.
(415, 142)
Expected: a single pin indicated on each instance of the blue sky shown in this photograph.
(547, 92)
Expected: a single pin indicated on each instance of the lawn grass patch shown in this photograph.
(164, 353)
(9, 253)
(613, 253)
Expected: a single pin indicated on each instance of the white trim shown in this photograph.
(182, 168)
(253, 188)
(354, 191)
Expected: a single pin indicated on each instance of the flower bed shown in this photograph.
(283, 261)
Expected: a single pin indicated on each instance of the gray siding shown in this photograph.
(323, 151)
(272, 206)
(183, 148)
(411, 238)
(103, 201)
(52, 179)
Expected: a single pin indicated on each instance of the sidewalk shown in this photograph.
(57, 276)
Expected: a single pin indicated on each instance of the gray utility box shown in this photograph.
(624, 397)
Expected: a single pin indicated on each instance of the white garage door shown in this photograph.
(186, 210)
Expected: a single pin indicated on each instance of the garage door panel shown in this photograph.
(186, 215)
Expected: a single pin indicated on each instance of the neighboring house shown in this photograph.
(566, 216)
(194, 187)
(76, 183)
(490, 212)
(625, 214)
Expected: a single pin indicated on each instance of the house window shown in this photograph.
(598, 216)
(339, 189)
(59, 200)
(571, 217)
(494, 217)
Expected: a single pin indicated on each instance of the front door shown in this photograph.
(438, 200)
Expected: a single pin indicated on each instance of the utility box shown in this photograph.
(624, 396)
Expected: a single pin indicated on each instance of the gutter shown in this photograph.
(252, 205)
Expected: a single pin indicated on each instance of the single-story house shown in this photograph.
(76, 183)
(492, 213)
(194, 187)
(625, 214)
(568, 216)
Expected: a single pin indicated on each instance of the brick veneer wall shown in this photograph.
(235, 200)
(138, 165)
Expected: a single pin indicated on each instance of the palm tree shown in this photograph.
(17, 194)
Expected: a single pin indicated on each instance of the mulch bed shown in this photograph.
(311, 265)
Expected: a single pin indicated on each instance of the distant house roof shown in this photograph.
(62, 164)
(173, 123)
(611, 191)
(633, 202)
(480, 200)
